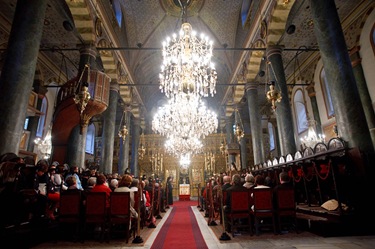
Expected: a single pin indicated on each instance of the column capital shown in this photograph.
(114, 86)
(274, 50)
(251, 86)
(87, 49)
(137, 121)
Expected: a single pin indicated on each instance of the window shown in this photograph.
(272, 136)
(117, 10)
(90, 139)
(300, 111)
(326, 94)
(42, 118)
(245, 11)
(26, 123)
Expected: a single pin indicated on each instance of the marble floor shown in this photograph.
(302, 240)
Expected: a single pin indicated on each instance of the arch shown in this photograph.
(278, 21)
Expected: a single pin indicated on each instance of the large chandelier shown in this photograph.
(178, 146)
(185, 116)
(187, 65)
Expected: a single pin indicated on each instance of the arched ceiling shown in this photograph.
(145, 24)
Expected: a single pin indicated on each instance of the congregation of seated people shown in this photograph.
(31, 191)
(241, 182)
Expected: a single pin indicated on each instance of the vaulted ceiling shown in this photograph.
(130, 52)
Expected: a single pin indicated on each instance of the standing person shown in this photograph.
(170, 190)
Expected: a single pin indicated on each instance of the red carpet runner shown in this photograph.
(180, 230)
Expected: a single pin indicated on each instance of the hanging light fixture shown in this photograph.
(82, 97)
(142, 148)
(185, 161)
(273, 95)
(223, 143)
(185, 116)
(238, 130)
(311, 139)
(123, 131)
(187, 65)
(178, 146)
(44, 146)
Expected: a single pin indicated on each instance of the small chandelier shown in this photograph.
(142, 148)
(238, 130)
(123, 131)
(312, 138)
(178, 146)
(185, 161)
(45, 146)
(185, 116)
(273, 95)
(82, 97)
(187, 63)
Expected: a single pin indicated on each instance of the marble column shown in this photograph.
(17, 74)
(255, 121)
(136, 132)
(314, 104)
(77, 147)
(76, 155)
(243, 150)
(283, 111)
(350, 116)
(109, 124)
(124, 158)
(230, 136)
(363, 91)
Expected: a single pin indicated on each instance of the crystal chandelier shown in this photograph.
(123, 131)
(312, 138)
(45, 146)
(178, 146)
(185, 161)
(185, 116)
(187, 65)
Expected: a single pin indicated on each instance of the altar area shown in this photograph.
(184, 192)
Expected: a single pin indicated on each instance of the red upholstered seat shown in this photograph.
(286, 208)
(119, 213)
(239, 216)
(263, 210)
